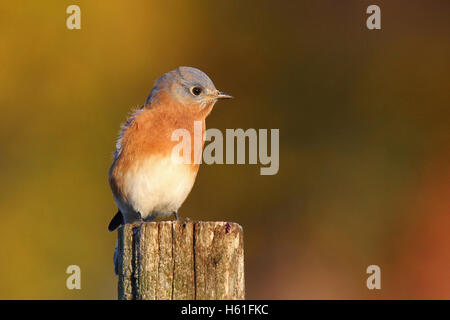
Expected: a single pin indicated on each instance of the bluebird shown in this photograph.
(145, 181)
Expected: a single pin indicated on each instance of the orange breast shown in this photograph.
(149, 134)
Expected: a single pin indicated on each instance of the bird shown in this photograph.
(145, 181)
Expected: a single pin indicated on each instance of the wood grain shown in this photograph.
(172, 260)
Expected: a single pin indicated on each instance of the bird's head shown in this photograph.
(187, 86)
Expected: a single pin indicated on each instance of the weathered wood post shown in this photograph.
(181, 260)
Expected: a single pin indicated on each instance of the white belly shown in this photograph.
(157, 186)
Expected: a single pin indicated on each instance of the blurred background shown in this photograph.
(364, 123)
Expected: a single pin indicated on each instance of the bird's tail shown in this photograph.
(116, 221)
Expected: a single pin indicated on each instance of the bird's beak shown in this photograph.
(223, 95)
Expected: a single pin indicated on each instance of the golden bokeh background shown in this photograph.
(364, 123)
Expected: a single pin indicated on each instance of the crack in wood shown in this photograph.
(168, 260)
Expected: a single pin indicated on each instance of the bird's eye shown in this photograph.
(196, 91)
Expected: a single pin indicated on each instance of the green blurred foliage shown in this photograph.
(364, 136)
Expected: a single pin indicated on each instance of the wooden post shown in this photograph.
(172, 260)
